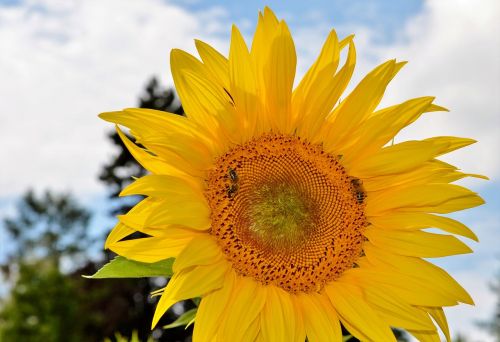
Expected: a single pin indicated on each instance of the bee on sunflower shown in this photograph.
(288, 212)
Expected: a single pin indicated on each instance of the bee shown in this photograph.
(360, 196)
(233, 176)
(358, 190)
(232, 190)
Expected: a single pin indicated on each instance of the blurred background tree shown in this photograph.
(49, 227)
(43, 304)
(493, 324)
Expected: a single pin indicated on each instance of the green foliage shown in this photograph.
(134, 338)
(43, 306)
(47, 226)
(121, 267)
(186, 319)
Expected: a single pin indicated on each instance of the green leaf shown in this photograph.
(187, 318)
(346, 338)
(121, 267)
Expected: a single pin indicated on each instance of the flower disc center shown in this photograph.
(279, 216)
(286, 213)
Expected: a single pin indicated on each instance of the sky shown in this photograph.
(64, 61)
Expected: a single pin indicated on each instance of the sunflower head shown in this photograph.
(289, 212)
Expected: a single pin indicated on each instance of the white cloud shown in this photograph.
(63, 62)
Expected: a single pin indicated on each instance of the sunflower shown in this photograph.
(288, 212)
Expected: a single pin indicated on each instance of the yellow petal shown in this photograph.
(414, 221)
(214, 100)
(243, 84)
(266, 30)
(245, 306)
(356, 314)
(432, 171)
(119, 232)
(180, 62)
(153, 249)
(359, 105)
(300, 330)
(328, 58)
(163, 186)
(143, 121)
(252, 332)
(216, 63)
(183, 150)
(314, 104)
(405, 156)
(424, 271)
(190, 212)
(211, 310)
(279, 74)
(140, 216)
(202, 250)
(267, 27)
(395, 311)
(440, 318)
(190, 283)
(448, 144)
(436, 198)
(416, 243)
(412, 289)
(278, 316)
(395, 159)
(379, 129)
(152, 128)
(137, 216)
(425, 336)
(321, 322)
(150, 162)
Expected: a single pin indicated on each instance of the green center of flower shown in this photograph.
(279, 215)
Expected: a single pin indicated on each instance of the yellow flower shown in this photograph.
(287, 213)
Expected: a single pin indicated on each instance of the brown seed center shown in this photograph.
(286, 213)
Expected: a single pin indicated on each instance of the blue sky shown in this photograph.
(99, 62)
(385, 16)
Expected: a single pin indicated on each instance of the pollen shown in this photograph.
(286, 213)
